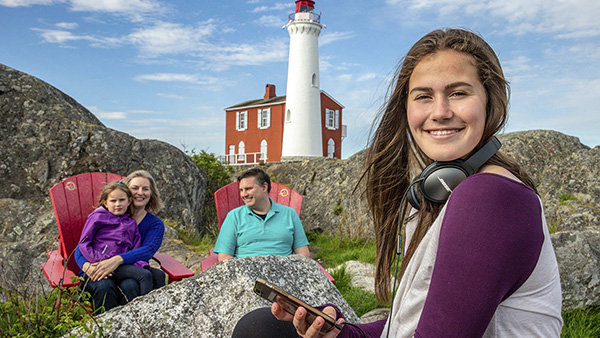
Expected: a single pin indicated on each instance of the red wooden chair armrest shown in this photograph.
(211, 260)
(56, 272)
(172, 267)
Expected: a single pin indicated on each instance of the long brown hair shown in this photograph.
(393, 158)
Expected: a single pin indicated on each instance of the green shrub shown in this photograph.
(27, 312)
(217, 175)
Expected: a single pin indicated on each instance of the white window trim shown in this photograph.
(241, 116)
(330, 119)
(263, 146)
(264, 115)
(331, 148)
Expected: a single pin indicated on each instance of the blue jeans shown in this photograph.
(106, 294)
(141, 275)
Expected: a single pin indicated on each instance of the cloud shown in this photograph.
(107, 115)
(178, 77)
(134, 9)
(165, 38)
(168, 77)
(335, 36)
(171, 96)
(277, 7)
(60, 36)
(563, 19)
(171, 38)
(63, 37)
(270, 21)
(115, 6)
(66, 25)
(27, 3)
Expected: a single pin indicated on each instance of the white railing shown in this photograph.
(243, 159)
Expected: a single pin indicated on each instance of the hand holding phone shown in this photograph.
(290, 303)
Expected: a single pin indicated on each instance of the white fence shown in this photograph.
(243, 159)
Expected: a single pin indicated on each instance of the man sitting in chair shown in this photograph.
(260, 227)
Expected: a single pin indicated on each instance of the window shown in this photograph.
(241, 120)
(314, 80)
(264, 118)
(288, 116)
(331, 148)
(263, 150)
(332, 119)
(241, 151)
(231, 156)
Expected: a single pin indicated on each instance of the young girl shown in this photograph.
(110, 230)
(479, 263)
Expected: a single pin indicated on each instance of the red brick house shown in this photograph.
(254, 129)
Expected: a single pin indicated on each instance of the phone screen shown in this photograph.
(290, 303)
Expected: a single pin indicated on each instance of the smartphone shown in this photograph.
(290, 303)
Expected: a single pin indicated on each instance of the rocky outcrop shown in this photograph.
(211, 303)
(47, 136)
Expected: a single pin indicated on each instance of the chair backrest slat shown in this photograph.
(73, 199)
(228, 198)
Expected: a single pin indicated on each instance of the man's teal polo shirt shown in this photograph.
(245, 234)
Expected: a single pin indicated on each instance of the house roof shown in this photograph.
(258, 103)
(332, 99)
(270, 102)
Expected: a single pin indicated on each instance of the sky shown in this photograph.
(166, 69)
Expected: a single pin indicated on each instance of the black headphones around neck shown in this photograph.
(438, 179)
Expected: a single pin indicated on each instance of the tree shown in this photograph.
(217, 176)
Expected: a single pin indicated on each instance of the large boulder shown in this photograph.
(211, 303)
(46, 136)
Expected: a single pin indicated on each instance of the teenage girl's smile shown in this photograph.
(446, 105)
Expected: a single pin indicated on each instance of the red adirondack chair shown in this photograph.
(73, 199)
(228, 198)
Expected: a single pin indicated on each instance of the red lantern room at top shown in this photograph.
(304, 6)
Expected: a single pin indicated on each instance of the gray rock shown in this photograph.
(211, 303)
(362, 275)
(375, 315)
(578, 254)
(46, 136)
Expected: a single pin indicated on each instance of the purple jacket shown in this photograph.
(105, 235)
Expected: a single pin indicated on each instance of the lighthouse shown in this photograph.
(302, 130)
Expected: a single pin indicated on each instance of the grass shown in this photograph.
(581, 323)
(360, 300)
(336, 250)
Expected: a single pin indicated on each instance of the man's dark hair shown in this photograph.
(260, 177)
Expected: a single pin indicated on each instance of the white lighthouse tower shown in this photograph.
(302, 130)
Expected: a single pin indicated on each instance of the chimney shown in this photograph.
(269, 91)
